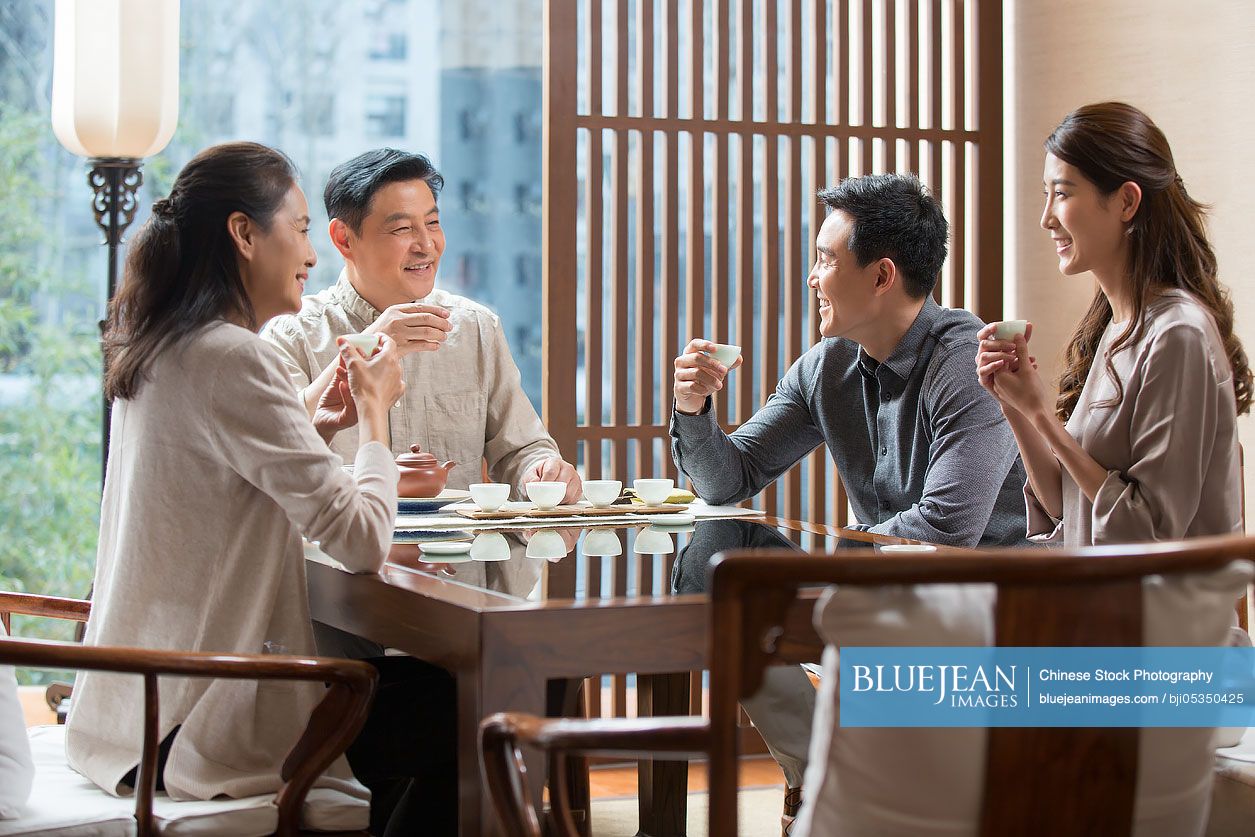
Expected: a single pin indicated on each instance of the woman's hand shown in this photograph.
(1008, 372)
(336, 410)
(375, 384)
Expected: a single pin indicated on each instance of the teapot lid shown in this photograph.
(416, 458)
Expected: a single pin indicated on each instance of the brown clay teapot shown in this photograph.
(421, 474)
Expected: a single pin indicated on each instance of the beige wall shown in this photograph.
(1190, 64)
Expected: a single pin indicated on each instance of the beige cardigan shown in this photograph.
(1170, 447)
(215, 472)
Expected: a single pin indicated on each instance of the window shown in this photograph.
(385, 116)
(319, 116)
(389, 46)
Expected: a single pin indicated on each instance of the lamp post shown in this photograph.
(115, 101)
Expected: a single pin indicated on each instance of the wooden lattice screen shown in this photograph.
(684, 143)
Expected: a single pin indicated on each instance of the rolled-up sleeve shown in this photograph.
(1171, 434)
(727, 468)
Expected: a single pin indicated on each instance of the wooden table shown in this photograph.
(506, 629)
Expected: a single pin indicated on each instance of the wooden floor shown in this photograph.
(605, 782)
(619, 781)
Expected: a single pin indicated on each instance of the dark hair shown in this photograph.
(1112, 144)
(182, 270)
(353, 184)
(895, 217)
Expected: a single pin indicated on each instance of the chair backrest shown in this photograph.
(1091, 597)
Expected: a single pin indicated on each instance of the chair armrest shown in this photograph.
(53, 607)
(332, 726)
(500, 736)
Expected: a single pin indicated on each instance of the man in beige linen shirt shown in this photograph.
(463, 400)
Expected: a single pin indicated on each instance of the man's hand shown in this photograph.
(414, 326)
(556, 469)
(336, 410)
(698, 375)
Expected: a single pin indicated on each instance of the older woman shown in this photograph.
(215, 472)
(1141, 443)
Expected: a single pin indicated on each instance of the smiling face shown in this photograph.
(395, 256)
(846, 290)
(280, 259)
(1087, 227)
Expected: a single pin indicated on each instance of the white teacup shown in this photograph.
(490, 496)
(547, 544)
(654, 541)
(726, 353)
(490, 546)
(367, 344)
(602, 493)
(546, 495)
(653, 492)
(602, 542)
(1007, 329)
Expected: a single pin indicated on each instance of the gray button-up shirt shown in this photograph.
(462, 402)
(923, 450)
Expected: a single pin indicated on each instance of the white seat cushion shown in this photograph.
(1233, 797)
(66, 804)
(16, 768)
(905, 782)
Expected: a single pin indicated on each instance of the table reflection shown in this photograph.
(598, 562)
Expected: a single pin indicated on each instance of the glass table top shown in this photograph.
(604, 562)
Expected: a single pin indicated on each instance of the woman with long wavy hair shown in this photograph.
(1141, 443)
(215, 472)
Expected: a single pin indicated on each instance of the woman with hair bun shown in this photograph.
(1141, 443)
(215, 473)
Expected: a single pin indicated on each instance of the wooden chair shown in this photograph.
(762, 614)
(334, 724)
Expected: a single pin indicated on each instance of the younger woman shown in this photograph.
(1141, 443)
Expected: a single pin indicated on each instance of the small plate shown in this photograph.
(418, 505)
(409, 535)
(445, 548)
(677, 519)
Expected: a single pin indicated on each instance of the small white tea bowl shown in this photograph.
(490, 546)
(490, 496)
(547, 544)
(654, 541)
(367, 344)
(602, 542)
(653, 492)
(726, 353)
(546, 495)
(1007, 329)
(602, 493)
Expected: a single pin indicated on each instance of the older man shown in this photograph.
(463, 400)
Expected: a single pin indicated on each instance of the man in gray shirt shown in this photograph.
(924, 452)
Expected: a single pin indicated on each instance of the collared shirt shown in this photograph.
(463, 402)
(924, 452)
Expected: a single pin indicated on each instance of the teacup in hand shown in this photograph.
(546, 495)
(367, 344)
(602, 493)
(1008, 329)
(653, 492)
(490, 496)
(726, 354)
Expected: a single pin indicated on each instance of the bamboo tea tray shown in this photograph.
(573, 511)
